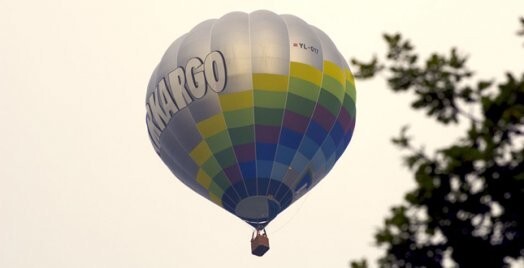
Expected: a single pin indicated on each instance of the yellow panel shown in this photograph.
(201, 153)
(350, 77)
(203, 179)
(215, 199)
(351, 89)
(271, 82)
(334, 71)
(306, 72)
(212, 125)
(236, 101)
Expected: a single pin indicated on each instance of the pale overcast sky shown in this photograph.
(81, 186)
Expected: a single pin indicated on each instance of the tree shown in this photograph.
(468, 203)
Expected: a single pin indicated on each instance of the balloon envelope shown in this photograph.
(251, 111)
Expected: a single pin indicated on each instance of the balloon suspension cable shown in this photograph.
(292, 216)
(259, 242)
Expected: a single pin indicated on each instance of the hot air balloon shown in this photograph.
(251, 111)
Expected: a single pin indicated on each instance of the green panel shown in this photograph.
(222, 180)
(242, 135)
(211, 167)
(300, 105)
(226, 158)
(328, 101)
(334, 87)
(351, 90)
(239, 118)
(219, 141)
(303, 88)
(268, 99)
(265, 116)
(349, 105)
(216, 190)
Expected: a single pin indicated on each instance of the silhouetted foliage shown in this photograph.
(468, 204)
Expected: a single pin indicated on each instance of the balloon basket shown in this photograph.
(259, 243)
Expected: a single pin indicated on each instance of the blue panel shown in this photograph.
(266, 151)
(299, 163)
(349, 135)
(249, 170)
(233, 195)
(279, 191)
(263, 184)
(290, 138)
(273, 188)
(316, 132)
(308, 147)
(273, 209)
(251, 186)
(230, 199)
(227, 203)
(279, 170)
(284, 195)
(344, 143)
(337, 133)
(240, 188)
(285, 154)
(318, 164)
(328, 147)
(340, 147)
(287, 199)
(264, 169)
(330, 162)
(304, 182)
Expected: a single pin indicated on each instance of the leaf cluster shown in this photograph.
(468, 201)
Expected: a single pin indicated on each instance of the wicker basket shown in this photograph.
(259, 244)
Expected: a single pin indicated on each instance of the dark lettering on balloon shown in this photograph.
(306, 47)
(181, 87)
(196, 80)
